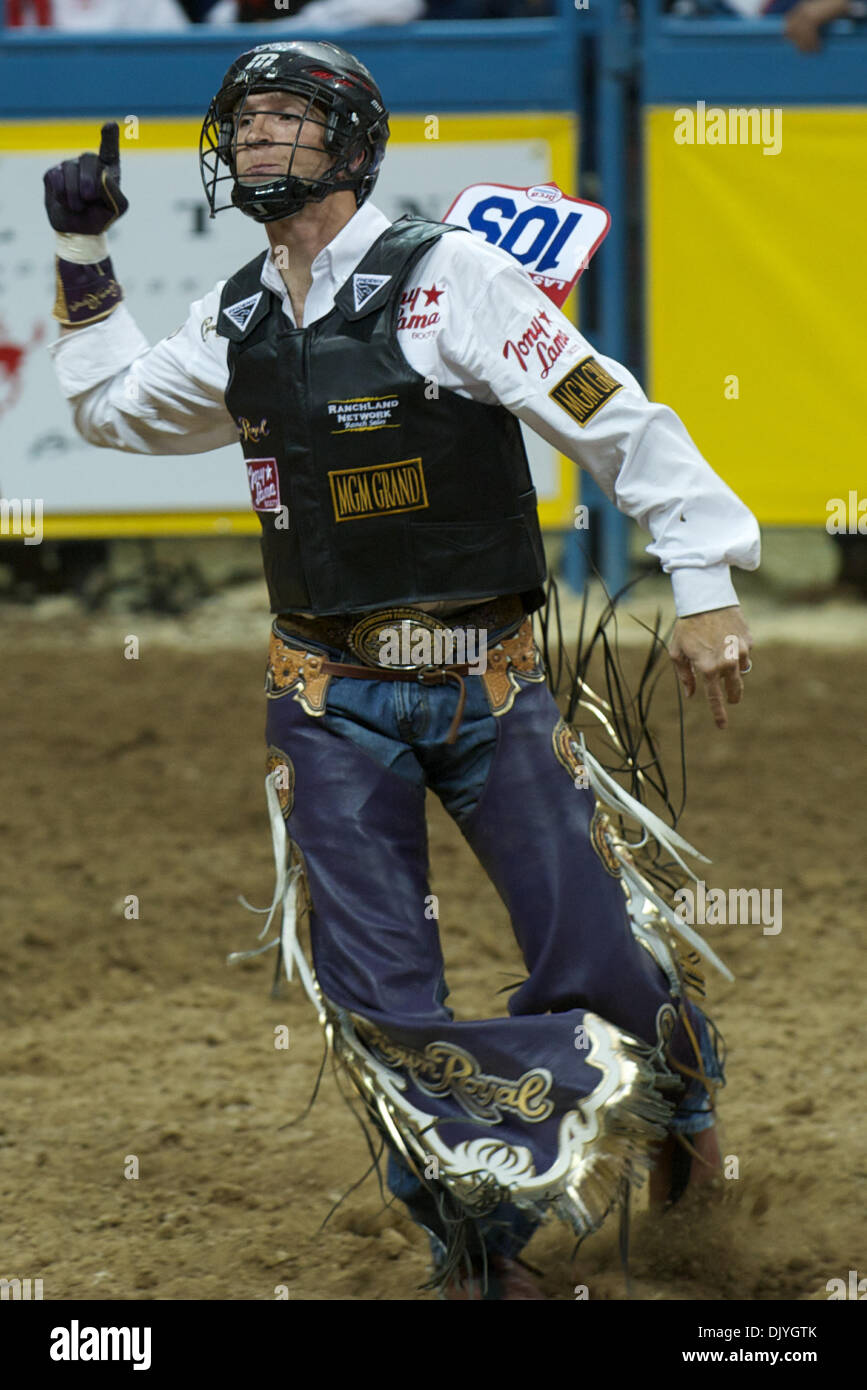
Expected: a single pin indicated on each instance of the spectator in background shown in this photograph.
(113, 15)
(94, 15)
(210, 11)
(348, 14)
(488, 9)
(108, 15)
(304, 14)
(328, 14)
(804, 18)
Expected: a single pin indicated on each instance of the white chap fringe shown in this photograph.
(603, 1143)
(288, 873)
(611, 794)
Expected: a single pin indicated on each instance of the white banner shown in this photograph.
(166, 253)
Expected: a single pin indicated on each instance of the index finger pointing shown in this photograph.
(109, 146)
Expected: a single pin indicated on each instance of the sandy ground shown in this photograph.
(133, 1038)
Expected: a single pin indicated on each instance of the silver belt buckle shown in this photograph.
(399, 639)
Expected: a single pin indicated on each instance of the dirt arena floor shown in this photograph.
(133, 1037)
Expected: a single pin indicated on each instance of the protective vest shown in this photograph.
(373, 486)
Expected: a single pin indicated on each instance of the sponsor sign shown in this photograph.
(241, 312)
(364, 287)
(585, 390)
(539, 346)
(549, 233)
(264, 484)
(362, 413)
(377, 490)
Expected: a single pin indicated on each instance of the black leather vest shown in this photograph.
(373, 485)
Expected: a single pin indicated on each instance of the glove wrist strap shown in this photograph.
(80, 249)
(85, 293)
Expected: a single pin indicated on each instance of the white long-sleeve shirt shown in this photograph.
(473, 321)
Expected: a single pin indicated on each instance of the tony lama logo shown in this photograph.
(21, 516)
(264, 483)
(747, 906)
(539, 340)
(378, 490)
(75, 1343)
(732, 125)
(252, 432)
(409, 303)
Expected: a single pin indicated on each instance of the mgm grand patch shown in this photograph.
(585, 390)
(380, 489)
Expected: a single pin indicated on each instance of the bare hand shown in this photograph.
(804, 23)
(716, 646)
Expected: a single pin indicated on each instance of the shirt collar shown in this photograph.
(338, 259)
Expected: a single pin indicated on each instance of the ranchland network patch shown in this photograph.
(584, 390)
(363, 413)
(378, 490)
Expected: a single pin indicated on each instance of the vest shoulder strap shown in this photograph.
(244, 300)
(380, 273)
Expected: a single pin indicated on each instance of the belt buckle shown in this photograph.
(402, 629)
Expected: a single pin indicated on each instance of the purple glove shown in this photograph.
(83, 195)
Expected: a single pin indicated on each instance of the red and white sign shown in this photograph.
(550, 234)
(264, 484)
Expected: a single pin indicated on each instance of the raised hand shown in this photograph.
(83, 195)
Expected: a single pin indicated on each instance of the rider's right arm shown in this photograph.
(167, 399)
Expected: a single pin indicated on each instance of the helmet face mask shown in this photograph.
(335, 92)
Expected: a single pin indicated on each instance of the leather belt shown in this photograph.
(363, 635)
(337, 629)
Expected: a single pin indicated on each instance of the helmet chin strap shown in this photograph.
(289, 206)
(290, 193)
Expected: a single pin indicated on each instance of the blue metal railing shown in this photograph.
(736, 61)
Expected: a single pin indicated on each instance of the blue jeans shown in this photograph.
(362, 770)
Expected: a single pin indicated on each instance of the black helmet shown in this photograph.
(341, 96)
